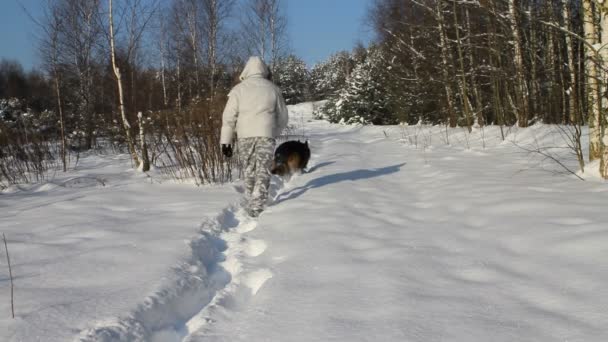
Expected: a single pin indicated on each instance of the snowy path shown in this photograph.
(386, 243)
(381, 241)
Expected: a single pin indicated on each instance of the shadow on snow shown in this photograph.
(352, 176)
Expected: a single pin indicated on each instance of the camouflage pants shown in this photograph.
(256, 156)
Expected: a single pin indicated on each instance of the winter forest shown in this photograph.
(147, 77)
(456, 188)
(454, 63)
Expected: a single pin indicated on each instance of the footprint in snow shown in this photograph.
(239, 188)
(255, 280)
(255, 248)
(247, 226)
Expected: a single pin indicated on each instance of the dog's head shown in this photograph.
(279, 164)
(279, 169)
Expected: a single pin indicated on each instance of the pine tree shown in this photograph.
(329, 77)
(364, 98)
(293, 78)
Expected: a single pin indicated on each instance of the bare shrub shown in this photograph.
(185, 145)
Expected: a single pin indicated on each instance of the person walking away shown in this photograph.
(257, 114)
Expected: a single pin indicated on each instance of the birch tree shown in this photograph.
(602, 121)
(277, 24)
(187, 19)
(215, 13)
(464, 90)
(445, 63)
(594, 112)
(521, 91)
(50, 49)
(264, 26)
(255, 26)
(119, 84)
(571, 93)
(163, 49)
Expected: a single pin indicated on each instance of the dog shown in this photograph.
(290, 157)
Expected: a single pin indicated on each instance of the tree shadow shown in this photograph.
(352, 176)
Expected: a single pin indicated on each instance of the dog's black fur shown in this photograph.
(290, 157)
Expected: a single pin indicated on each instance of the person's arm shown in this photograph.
(231, 112)
(282, 113)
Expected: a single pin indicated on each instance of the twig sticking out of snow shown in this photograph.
(545, 153)
(10, 273)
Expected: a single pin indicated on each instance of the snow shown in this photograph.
(393, 235)
(101, 244)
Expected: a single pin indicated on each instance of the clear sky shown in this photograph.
(17, 40)
(317, 28)
(320, 27)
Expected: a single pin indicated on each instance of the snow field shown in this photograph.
(392, 242)
(393, 235)
(97, 254)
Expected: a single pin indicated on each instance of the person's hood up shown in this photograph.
(255, 66)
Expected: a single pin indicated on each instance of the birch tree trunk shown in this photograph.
(464, 91)
(495, 59)
(123, 114)
(192, 22)
(179, 80)
(215, 12)
(276, 27)
(521, 91)
(474, 83)
(443, 43)
(533, 90)
(61, 118)
(86, 73)
(145, 162)
(53, 42)
(603, 115)
(255, 20)
(261, 11)
(213, 27)
(592, 81)
(162, 47)
(571, 94)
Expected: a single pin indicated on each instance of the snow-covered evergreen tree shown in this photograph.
(15, 115)
(364, 98)
(292, 76)
(329, 77)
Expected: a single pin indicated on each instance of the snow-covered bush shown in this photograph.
(15, 115)
(25, 148)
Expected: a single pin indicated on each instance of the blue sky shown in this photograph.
(320, 27)
(17, 40)
(317, 28)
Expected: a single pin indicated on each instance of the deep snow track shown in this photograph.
(213, 276)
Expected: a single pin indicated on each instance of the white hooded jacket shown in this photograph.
(255, 106)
